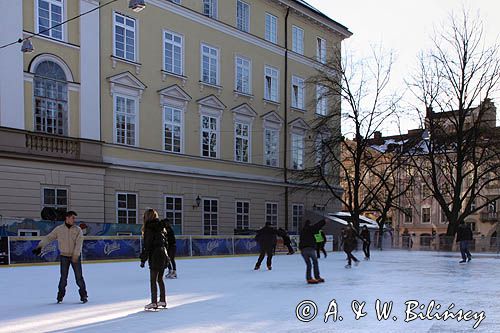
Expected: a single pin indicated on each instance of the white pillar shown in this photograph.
(11, 66)
(90, 115)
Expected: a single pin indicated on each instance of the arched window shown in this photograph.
(51, 99)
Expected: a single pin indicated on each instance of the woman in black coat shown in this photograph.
(154, 250)
(171, 250)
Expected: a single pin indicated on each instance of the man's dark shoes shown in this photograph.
(461, 261)
(59, 301)
(257, 267)
(312, 281)
(469, 259)
(320, 280)
(84, 300)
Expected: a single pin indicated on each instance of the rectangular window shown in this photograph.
(408, 215)
(271, 77)
(173, 52)
(209, 64)
(297, 40)
(51, 106)
(172, 129)
(209, 136)
(297, 152)
(242, 142)
(125, 119)
(126, 208)
(173, 209)
(50, 14)
(272, 213)
(426, 215)
(242, 215)
(425, 191)
(271, 142)
(56, 198)
(210, 216)
(297, 216)
(210, 8)
(321, 100)
(243, 70)
(125, 37)
(242, 16)
(492, 206)
(271, 28)
(444, 219)
(321, 50)
(297, 92)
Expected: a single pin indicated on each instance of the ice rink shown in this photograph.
(227, 295)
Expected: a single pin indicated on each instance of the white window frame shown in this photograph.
(243, 23)
(174, 211)
(297, 219)
(269, 156)
(243, 214)
(321, 100)
(271, 93)
(136, 131)
(422, 216)
(272, 34)
(297, 151)
(248, 138)
(173, 45)
(270, 217)
(210, 56)
(443, 218)
(245, 64)
(298, 92)
(217, 134)
(127, 209)
(213, 10)
(405, 221)
(62, 4)
(203, 217)
(124, 25)
(55, 205)
(297, 39)
(172, 123)
(320, 50)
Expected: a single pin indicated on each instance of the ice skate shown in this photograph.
(162, 304)
(151, 306)
(356, 263)
(84, 300)
(172, 275)
(167, 276)
(469, 259)
(462, 261)
(347, 266)
(320, 280)
(257, 267)
(312, 281)
(269, 268)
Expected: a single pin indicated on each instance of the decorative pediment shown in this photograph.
(244, 110)
(126, 83)
(299, 126)
(174, 95)
(212, 101)
(272, 120)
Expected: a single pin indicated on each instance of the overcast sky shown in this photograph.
(404, 26)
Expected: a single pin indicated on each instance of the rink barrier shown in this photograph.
(95, 248)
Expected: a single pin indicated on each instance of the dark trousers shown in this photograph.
(366, 249)
(156, 277)
(309, 255)
(464, 249)
(289, 247)
(350, 256)
(63, 281)
(171, 254)
(263, 253)
(320, 247)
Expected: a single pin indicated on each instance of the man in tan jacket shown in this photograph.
(70, 240)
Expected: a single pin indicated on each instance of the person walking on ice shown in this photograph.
(464, 236)
(350, 243)
(69, 241)
(154, 250)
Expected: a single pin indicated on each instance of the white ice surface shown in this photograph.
(226, 295)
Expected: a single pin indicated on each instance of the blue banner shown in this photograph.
(245, 246)
(211, 246)
(183, 248)
(103, 249)
(4, 250)
(20, 252)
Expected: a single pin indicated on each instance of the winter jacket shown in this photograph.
(154, 245)
(349, 240)
(307, 235)
(283, 234)
(464, 232)
(170, 236)
(69, 240)
(365, 235)
(266, 238)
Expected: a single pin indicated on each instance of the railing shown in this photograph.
(490, 217)
(446, 243)
(52, 144)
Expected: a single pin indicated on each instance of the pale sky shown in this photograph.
(404, 26)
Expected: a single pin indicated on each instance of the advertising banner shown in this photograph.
(182, 247)
(20, 251)
(212, 246)
(245, 246)
(103, 249)
(4, 250)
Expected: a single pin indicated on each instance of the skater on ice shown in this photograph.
(154, 250)
(171, 250)
(464, 236)
(69, 241)
(286, 240)
(266, 238)
(307, 246)
(350, 244)
(365, 236)
(320, 243)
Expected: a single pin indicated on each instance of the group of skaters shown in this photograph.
(311, 244)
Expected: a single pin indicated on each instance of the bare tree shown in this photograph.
(455, 81)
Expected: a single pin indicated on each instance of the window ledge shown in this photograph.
(214, 86)
(137, 65)
(242, 94)
(298, 109)
(268, 101)
(165, 74)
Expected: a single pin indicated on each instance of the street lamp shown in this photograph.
(27, 46)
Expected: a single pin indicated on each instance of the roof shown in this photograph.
(320, 13)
